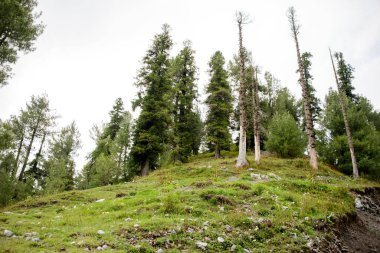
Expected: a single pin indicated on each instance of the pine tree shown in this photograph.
(60, 165)
(342, 100)
(241, 161)
(315, 107)
(116, 115)
(219, 103)
(345, 75)
(306, 100)
(185, 93)
(152, 130)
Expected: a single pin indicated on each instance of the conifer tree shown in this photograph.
(60, 165)
(185, 93)
(152, 129)
(345, 75)
(305, 97)
(219, 103)
(342, 92)
(315, 108)
(241, 161)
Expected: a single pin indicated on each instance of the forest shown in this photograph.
(247, 111)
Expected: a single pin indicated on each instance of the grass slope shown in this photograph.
(175, 208)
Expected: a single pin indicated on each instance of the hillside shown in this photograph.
(204, 205)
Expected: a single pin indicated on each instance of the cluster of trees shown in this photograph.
(36, 157)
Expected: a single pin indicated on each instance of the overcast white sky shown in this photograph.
(90, 50)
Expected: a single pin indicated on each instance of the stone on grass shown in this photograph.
(101, 232)
(8, 233)
(160, 251)
(220, 239)
(201, 245)
(233, 247)
(136, 226)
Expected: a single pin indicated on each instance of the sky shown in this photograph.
(90, 50)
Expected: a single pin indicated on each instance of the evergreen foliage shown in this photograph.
(285, 138)
(152, 133)
(18, 31)
(219, 103)
(183, 74)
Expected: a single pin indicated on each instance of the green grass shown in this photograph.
(178, 205)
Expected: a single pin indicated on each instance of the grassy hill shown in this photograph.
(204, 205)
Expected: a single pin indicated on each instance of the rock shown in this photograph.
(136, 226)
(233, 247)
(228, 228)
(190, 230)
(201, 245)
(358, 203)
(221, 208)
(160, 251)
(86, 249)
(274, 176)
(31, 234)
(221, 239)
(105, 246)
(101, 232)
(250, 169)
(99, 248)
(8, 233)
(35, 239)
(100, 200)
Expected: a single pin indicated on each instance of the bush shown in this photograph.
(285, 138)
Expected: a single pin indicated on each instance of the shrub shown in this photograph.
(285, 138)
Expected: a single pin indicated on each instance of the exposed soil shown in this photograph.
(359, 233)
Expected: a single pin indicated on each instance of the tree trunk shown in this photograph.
(355, 170)
(14, 172)
(217, 151)
(306, 102)
(29, 148)
(241, 160)
(145, 168)
(256, 119)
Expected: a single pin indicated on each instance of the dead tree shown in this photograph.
(305, 97)
(341, 94)
(241, 161)
(256, 116)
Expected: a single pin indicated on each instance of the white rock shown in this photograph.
(201, 245)
(160, 251)
(221, 239)
(233, 247)
(101, 232)
(306, 218)
(99, 248)
(190, 230)
(100, 200)
(358, 203)
(105, 246)
(8, 233)
(136, 226)
(35, 239)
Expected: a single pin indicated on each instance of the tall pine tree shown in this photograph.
(219, 103)
(185, 94)
(152, 130)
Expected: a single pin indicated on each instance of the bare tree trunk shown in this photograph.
(256, 118)
(355, 170)
(145, 168)
(14, 172)
(29, 149)
(241, 160)
(305, 97)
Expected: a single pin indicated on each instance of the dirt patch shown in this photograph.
(218, 199)
(361, 232)
(202, 184)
